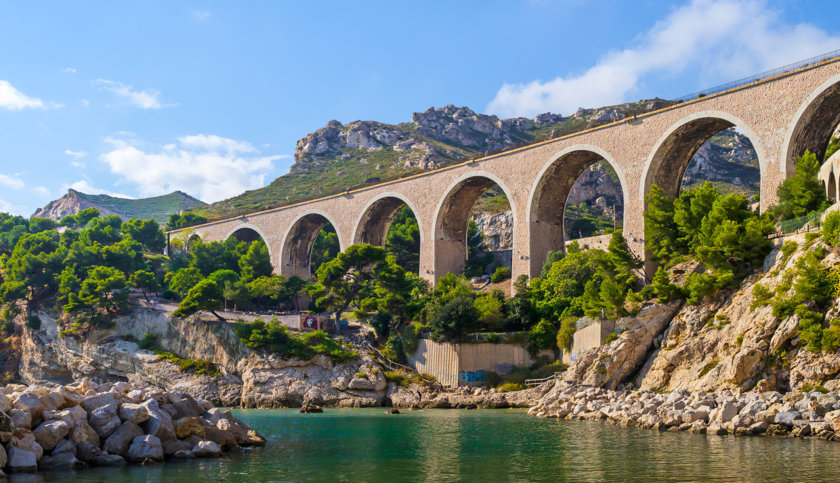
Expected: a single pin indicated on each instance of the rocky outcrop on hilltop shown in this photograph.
(158, 207)
(52, 427)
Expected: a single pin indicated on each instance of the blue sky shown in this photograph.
(143, 98)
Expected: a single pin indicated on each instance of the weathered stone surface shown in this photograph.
(172, 446)
(82, 431)
(187, 426)
(24, 439)
(110, 460)
(120, 439)
(159, 423)
(183, 455)
(49, 433)
(64, 446)
(88, 452)
(53, 401)
(104, 419)
(187, 408)
(104, 399)
(787, 418)
(204, 449)
(61, 461)
(145, 447)
(31, 403)
(135, 413)
(22, 461)
(21, 418)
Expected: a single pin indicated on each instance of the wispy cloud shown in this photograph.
(200, 15)
(147, 99)
(77, 157)
(69, 70)
(12, 182)
(207, 166)
(14, 209)
(723, 38)
(14, 100)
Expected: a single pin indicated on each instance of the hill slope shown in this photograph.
(158, 207)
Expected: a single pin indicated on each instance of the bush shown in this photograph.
(611, 337)
(275, 337)
(501, 273)
(493, 338)
(33, 322)
(394, 349)
(381, 323)
(149, 341)
(761, 296)
(566, 334)
(454, 319)
(511, 386)
(542, 336)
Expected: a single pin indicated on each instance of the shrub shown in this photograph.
(700, 285)
(542, 336)
(381, 323)
(708, 367)
(739, 341)
(33, 322)
(783, 307)
(611, 337)
(831, 337)
(274, 337)
(394, 349)
(761, 296)
(511, 386)
(493, 338)
(566, 334)
(810, 328)
(148, 341)
(501, 273)
(788, 249)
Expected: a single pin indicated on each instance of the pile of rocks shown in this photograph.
(795, 414)
(82, 424)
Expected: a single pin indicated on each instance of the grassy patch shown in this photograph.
(198, 366)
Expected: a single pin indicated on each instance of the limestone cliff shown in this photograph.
(719, 344)
(248, 378)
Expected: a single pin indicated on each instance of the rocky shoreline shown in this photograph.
(813, 414)
(74, 426)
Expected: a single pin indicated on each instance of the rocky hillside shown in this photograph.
(340, 156)
(158, 207)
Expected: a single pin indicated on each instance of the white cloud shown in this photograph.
(216, 143)
(721, 38)
(200, 15)
(12, 182)
(147, 99)
(15, 100)
(69, 70)
(209, 167)
(75, 154)
(84, 186)
(6, 207)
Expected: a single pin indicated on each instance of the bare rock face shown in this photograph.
(611, 364)
(497, 229)
(144, 448)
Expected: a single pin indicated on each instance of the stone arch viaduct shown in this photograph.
(781, 115)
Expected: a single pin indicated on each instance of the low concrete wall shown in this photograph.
(465, 364)
(589, 337)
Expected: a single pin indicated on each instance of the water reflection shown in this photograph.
(485, 445)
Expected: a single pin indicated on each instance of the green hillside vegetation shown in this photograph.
(157, 208)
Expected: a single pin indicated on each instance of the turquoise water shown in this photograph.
(485, 446)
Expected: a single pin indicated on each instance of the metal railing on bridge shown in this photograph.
(759, 77)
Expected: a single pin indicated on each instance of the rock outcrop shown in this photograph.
(248, 378)
(49, 439)
(158, 207)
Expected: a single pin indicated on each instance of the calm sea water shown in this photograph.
(484, 446)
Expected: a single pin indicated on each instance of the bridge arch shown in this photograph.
(248, 233)
(812, 125)
(547, 200)
(831, 189)
(296, 247)
(672, 153)
(452, 214)
(376, 217)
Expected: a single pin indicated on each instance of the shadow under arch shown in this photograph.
(812, 124)
(672, 153)
(549, 192)
(296, 247)
(376, 217)
(449, 229)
